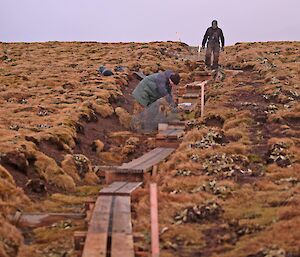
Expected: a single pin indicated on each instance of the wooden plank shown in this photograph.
(141, 159)
(110, 168)
(122, 215)
(128, 188)
(205, 73)
(122, 245)
(196, 84)
(95, 245)
(154, 170)
(179, 127)
(132, 176)
(137, 161)
(182, 100)
(156, 159)
(96, 239)
(233, 72)
(170, 143)
(170, 133)
(122, 170)
(121, 237)
(191, 95)
(176, 132)
(163, 134)
(79, 238)
(154, 220)
(144, 163)
(112, 188)
(163, 126)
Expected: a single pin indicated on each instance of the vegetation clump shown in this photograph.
(199, 213)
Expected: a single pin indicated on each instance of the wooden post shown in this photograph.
(154, 170)
(202, 100)
(199, 49)
(154, 220)
(79, 238)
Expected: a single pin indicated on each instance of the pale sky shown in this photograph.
(148, 20)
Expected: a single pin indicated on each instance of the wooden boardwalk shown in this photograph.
(109, 218)
(109, 228)
(137, 169)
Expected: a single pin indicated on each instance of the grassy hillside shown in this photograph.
(231, 189)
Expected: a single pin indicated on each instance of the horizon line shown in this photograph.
(139, 42)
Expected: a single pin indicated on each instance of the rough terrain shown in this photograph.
(231, 189)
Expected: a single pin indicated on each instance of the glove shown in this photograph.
(177, 109)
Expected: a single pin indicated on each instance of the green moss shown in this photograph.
(49, 234)
(255, 212)
(254, 158)
(87, 190)
(64, 203)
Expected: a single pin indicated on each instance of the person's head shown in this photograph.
(174, 79)
(214, 24)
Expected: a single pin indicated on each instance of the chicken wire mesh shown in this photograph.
(148, 119)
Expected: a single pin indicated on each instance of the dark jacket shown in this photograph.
(154, 87)
(213, 36)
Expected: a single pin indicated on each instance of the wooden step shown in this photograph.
(145, 162)
(170, 134)
(196, 84)
(120, 188)
(166, 126)
(138, 169)
(192, 100)
(169, 138)
(191, 95)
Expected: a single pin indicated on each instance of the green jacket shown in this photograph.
(154, 87)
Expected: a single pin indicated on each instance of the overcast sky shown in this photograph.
(147, 20)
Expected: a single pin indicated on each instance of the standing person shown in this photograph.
(213, 36)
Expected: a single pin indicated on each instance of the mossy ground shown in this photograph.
(52, 98)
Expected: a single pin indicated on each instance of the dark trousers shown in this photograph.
(212, 49)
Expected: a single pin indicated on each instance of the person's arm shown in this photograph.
(205, 38)
(170, 100)
(163, 92)
(161, 81)
(222, 38)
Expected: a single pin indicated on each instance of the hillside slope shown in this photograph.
(231, 189)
